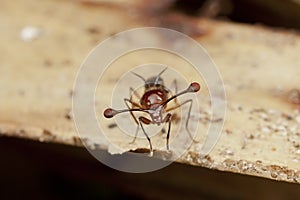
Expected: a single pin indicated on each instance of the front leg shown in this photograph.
(190, 102)
(168, 119)
(146, 121)
(127, 101)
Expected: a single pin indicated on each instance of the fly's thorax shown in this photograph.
(153, 97)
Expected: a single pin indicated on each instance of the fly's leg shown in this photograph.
(168, 120)
(132, 91)
(146, 121)
(190, 102)
(127, 101)
(175, 85)
(188, 119)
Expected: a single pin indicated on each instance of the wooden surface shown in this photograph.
(259, 66)
(89, 179)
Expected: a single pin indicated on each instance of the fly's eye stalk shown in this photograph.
(109, 113)
(194, 87)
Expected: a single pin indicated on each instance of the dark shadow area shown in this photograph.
(275, 13)
(34, 170)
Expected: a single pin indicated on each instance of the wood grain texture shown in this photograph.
(259, 66)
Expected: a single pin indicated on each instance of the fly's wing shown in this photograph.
(171, 92)
(135, 96)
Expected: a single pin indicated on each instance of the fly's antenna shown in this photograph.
(139, 76)
(160, 73)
